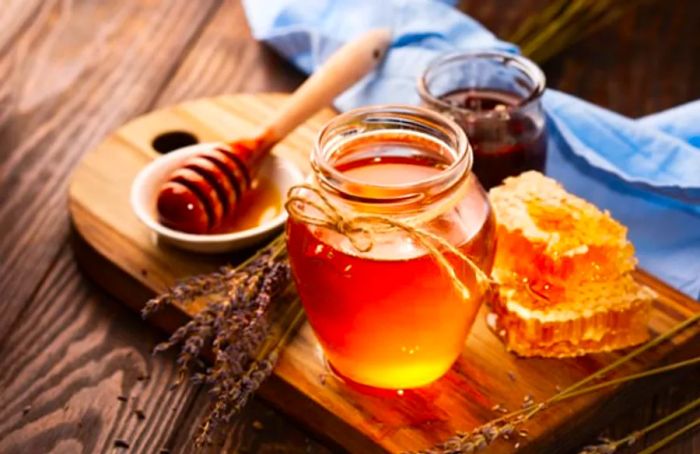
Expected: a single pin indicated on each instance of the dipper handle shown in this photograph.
(342, 70)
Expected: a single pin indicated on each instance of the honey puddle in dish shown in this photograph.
(261, 204)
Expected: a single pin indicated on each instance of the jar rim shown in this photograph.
(525, 65)
(330, 176)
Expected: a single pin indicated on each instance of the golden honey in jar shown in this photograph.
(391, 316)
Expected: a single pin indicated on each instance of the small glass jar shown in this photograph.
(496, 98)
(391, 316)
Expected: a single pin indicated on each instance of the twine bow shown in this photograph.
(359, 230)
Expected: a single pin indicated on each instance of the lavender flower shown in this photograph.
(234, 326)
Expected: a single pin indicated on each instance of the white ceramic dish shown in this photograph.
(144, 191)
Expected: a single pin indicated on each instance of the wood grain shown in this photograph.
(75, 353)
(78, 82)
(107, 61)
(226, 59)
(65, 366)
(648, 63)
(65, 83)
(303, 386)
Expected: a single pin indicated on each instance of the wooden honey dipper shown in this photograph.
(202, 194)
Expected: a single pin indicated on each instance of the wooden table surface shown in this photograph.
(71, 71)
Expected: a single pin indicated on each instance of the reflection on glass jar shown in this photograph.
(392, 317)
(496, 98)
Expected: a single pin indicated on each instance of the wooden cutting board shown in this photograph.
(116, 250)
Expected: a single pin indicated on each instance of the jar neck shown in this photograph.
(389, 158)
(489, 70)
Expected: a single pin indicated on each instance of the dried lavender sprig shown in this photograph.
(627, 378)
(241, 322)
(218, 284)
(197, 286)
(633, 354)
(189, 289)
(234, 325)
(474, 441)
(237, 396)
(669, 438)
(464, 442)
(611, 446)
(578, 387)
(228, 404)
(498, 427)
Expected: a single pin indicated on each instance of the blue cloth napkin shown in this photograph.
(645, 171)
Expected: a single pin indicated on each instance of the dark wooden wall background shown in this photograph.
(71, 71)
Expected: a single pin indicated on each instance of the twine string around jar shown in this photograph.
(359, 231)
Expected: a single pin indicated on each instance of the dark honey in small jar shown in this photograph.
(496, 98)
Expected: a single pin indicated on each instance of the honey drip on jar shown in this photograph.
(392, 317)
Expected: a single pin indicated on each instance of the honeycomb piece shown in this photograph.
(554, 240)
(563, 269)
(601, 316)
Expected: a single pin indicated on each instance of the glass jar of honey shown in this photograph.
(388, 314)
